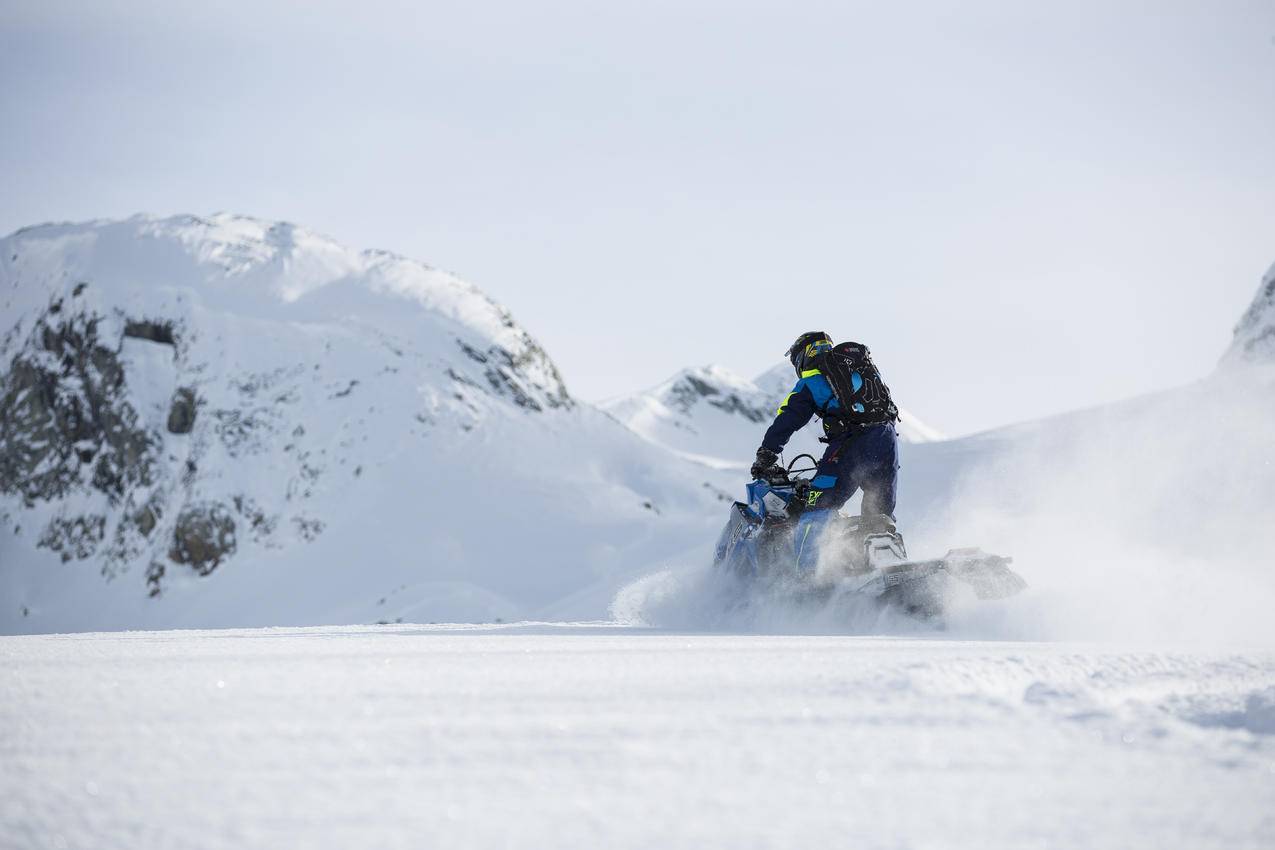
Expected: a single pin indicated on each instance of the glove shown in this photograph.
(764, 463)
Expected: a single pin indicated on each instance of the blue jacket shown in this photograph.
(812, 395)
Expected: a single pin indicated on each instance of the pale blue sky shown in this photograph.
(1022, 207)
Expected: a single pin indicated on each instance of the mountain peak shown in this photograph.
(274, 271)
(1254, 340)
(713, 385)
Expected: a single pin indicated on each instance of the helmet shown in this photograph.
(808, 346)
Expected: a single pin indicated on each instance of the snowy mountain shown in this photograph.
(230, 421)
(1254, 341)
(715, 416)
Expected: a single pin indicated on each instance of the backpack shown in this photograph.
(863, 397)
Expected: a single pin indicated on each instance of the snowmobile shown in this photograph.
(869, 557)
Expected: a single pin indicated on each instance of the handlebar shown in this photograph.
(814, 464)
(781, 476)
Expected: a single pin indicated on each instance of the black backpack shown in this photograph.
(870, 402)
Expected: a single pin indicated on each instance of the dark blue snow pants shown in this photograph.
(862, 459)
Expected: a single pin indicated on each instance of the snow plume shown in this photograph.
(1145, 520)
(701, 598)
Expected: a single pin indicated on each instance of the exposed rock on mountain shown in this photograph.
(718, 388)
(204, 535)
(1254, 340)
(181, 415)
(64, 419)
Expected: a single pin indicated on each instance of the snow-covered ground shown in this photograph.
(594, 736)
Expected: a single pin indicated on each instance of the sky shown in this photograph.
(1022, 208)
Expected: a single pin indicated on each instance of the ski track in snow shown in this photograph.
(592, 735)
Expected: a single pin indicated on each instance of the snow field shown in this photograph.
(599, 736)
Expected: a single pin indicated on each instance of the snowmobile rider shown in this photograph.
(843, 388)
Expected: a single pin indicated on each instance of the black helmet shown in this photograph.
(806, 347)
